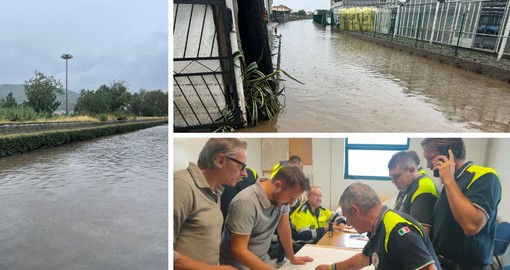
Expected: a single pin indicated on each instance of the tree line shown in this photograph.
(42, 91)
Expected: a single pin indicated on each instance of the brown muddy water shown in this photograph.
(355, 86)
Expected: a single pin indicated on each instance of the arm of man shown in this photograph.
(284, 233)
(471, 218)
(182, 262)
(422, 209)
(355, 262)
(242, 254)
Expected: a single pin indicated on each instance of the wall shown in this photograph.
(500, 161)
(187, 150)
(328, 171)
(328, 164)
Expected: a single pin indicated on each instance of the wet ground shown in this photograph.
(355, 86)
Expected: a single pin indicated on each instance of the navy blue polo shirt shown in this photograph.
(481, 185)
(399, 243)
(418, 200)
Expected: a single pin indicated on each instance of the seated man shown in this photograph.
(311, 219)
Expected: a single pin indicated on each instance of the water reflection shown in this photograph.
(100, 204)
(356, 86)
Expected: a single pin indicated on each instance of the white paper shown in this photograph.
(321, 255)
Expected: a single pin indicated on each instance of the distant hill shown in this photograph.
(19, 94)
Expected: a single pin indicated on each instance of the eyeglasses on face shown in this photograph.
(243, 165)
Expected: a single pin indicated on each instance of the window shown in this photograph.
(367, 158)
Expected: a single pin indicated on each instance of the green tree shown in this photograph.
(10, 101)
(91, 103)
(150, 103)
(301, 12)
(107, 99)
(41, 92)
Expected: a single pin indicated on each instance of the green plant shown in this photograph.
(20, 113)
(262, 101)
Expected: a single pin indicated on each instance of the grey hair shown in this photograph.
(361, 195)
(215, 146)
(310, 191)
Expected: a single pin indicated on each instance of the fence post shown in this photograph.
(434, 23)
(460, 32)
(506, 32)
(417, 31)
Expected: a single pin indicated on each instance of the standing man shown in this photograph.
(417, 192)
(230, 192)
(397, 241)
(465, 213)
(311, 219)
(293, 160)
(253, 216)
(197, 214)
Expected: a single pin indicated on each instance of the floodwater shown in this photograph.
(356, 86)
(100, 204)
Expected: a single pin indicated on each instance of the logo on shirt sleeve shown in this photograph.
(404, 230)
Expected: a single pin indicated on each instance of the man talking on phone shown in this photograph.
(465, 212)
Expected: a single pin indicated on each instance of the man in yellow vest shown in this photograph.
(466, 211)
(293, 160)
(417, 192)
(311, 220)
(397, 241)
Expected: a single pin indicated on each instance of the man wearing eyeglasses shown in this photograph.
(311, 220)
(253, 216)
(197, 214)
(417, 192)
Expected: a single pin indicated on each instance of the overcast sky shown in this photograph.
(111, 40)
(306, 5)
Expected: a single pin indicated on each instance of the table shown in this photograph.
(337, 240)
(322, 255)
(328, 250)
(343, 240)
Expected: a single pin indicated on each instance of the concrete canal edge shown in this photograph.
(436, 53)
(24, 142)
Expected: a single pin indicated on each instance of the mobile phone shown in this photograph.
(330, 229)
(444, 152)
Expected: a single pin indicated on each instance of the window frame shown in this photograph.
(375, 147)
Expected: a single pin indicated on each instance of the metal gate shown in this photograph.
(204, 84)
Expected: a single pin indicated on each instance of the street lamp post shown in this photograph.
(66, 56)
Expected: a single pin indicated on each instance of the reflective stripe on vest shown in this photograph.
(391, 219)
(425, 185)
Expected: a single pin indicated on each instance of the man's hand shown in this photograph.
(446, 167)
(299, 260)
(322, 267)
(339, 228)
(223, 267)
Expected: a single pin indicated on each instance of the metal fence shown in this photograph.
(470, 24)
(203, 70)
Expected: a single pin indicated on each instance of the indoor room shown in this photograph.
(335, 163)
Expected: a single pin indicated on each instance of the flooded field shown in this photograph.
(355, 86)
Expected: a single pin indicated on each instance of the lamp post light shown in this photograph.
(66, 56)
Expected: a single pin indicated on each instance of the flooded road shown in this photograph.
(355, 86)
(100, 204)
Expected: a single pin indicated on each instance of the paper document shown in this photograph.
(357, 241)
(322, 255)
